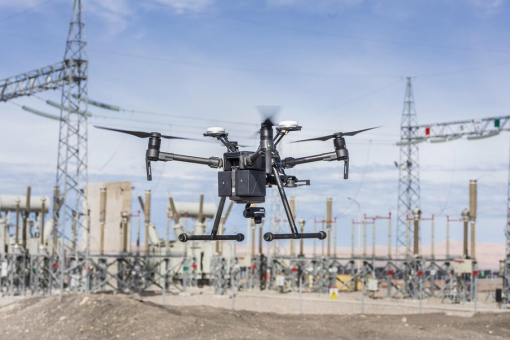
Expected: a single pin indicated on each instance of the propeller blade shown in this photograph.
(323, 138)
(184, 138)
(338, 134)
(141, 134)
(352, 133)
(138, 134)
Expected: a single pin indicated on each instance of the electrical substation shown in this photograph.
(94, 238)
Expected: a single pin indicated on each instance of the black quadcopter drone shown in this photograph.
(246, 174)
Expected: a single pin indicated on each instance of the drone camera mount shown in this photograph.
(257, 213)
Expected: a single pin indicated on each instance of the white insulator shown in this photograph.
(8, 203)
(191, 209)
(48, 230)
(178, 229)
(153, 234)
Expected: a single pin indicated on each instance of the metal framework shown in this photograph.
(409, 186)
(72, 145)
(71, 76)
(472, 128)
(409, 174)
(46, 78)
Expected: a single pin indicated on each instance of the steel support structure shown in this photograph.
(45, 78)
(72, 146)
(409, 182)
(70, 76)
(409, 174)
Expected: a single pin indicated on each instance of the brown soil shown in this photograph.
(121, 317)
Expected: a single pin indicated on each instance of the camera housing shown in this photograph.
(257, 213)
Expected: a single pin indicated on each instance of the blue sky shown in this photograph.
(331, 65)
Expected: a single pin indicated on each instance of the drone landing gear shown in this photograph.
(213, 236)
(321, 235)
(186, 237)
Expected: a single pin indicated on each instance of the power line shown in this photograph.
(465, 70)
(360, 38)
(237, 135)
(165, 115)
(194, 118)
(212, 66)
(360, 97)
(159, 124)
(343, 36)
(271, 71)
(246, 69)
(25, 11)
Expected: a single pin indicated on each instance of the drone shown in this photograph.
(245, 175)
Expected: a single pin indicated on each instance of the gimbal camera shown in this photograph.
(245, 175)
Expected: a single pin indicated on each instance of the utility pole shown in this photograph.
(472, 215)
(416, 232)
(102, 218)
(465, 219)
(329, 213)
(147, 215)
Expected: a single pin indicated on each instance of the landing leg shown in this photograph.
(213, 236)
(294, 232)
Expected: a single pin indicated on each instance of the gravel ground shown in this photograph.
(123, 317)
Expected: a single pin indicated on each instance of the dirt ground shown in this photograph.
(269, 301)
(123, 317)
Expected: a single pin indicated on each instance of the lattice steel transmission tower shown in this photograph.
(409, 174)
(72, 144)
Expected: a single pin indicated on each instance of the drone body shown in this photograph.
(245, 175)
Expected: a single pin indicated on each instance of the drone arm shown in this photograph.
(290, 162)
(231, 147)
(279, 137)
(330, 156)
(213, 162)
(251, 159)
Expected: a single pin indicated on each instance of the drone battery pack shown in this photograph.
(250, 183)
(246, 183)
(225, 183)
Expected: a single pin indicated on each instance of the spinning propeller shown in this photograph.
(268, 114)
(266, 146)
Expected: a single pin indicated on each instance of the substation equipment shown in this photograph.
(411, 135)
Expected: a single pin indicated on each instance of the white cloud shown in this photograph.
(315, 3)
(490, 5)
(183, 6)
(114, 13)
(330, 6)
